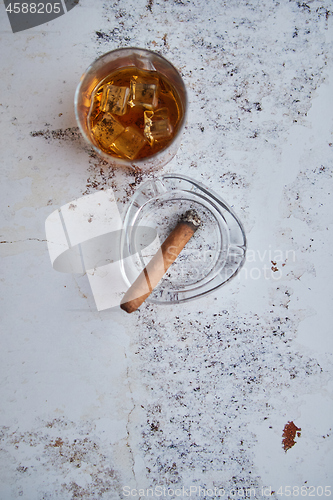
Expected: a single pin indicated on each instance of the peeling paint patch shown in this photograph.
(309, 195)
(64, 457)
(208, 379)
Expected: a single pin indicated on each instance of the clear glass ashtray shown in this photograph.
(211, 258)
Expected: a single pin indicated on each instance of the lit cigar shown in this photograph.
(152, 274)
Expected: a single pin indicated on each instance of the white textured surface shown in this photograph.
(181, 395)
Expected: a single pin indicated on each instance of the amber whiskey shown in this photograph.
(134, 113)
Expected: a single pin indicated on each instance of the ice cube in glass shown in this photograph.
(114, 99)
(129, 143)
(157, 125)
(106, 130)
(144, 92)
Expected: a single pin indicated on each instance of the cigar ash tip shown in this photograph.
(192, 217)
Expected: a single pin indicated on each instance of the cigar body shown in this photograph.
(152, 274)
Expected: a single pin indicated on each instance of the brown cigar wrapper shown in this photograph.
(152, 274)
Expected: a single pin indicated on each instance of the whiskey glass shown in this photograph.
(145, 61)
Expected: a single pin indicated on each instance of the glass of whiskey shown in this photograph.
(131, 107)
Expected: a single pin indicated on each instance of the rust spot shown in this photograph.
(289, 434)
(274, 267)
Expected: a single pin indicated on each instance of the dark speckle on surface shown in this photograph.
(68, 134)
